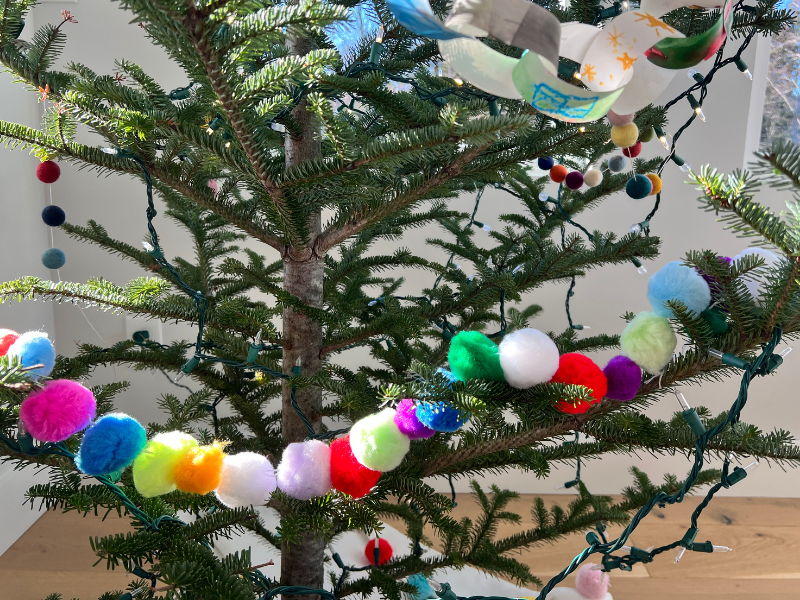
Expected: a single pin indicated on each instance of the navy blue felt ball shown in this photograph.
(639, 187)
(545, 163)
(53, 215)
(53, 258)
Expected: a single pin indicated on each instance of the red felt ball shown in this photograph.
(48, 171)
(577, 369)
(558, 173)
(633, 151)
(347, 474)
(385, 549)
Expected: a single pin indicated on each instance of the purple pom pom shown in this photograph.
(711, 280)
(60, 409)
(407, 422)
(591, 584)
(574, 180)
(624, 378)
(305, 470)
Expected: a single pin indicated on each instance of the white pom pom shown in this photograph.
(528, 357)
(247, 478)
(753, 286)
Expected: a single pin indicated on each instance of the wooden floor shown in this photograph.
(54, 555)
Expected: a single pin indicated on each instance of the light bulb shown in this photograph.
(636, 228)
(685, 167)
(752, 465)
(231, 19)
(699, 112)
(487, 228)
(228, 145)
(544, 197)
(458, 81)
(786, 352)
(147, 246)
(372, 303)
(663, 140)
(112, 151)
(577, 75)
(209, 131)
(379, 36)
(582, 129)
(722, 549)
(748, 74)
(679, 554)
(682, 401)
(517, 268)
(641, 271)
(437, 587)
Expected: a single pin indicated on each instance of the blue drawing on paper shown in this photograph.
(417, 16)
(549, 100)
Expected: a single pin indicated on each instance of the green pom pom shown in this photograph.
(649, 341)
(377, 441)
(153, 468)
(646, 134)
(716, 320)
(474, 356)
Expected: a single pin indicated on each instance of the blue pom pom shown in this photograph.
(53, 215)
(424, 589)
(439, 416)
(447, 375)
(33, 348)
(678, 282)
(110, 445)
(53, 258)
(617, 164)
(545, 163)
(639, 187)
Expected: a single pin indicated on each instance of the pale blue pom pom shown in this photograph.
(678, 282)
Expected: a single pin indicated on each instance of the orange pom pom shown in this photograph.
(198, 471)
(656, 181)
(558, 173)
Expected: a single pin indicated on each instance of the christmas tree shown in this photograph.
(317, 152)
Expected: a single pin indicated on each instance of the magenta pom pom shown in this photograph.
(60, 409)
(408, 423)
(591, 584)
(619, 120)
(574, 180)
(624, 378)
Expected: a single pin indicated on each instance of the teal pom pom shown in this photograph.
(474, 356)
(110, 445)
(639, 187)
(716, 320)
(33, 348)
(53, 258)
(649, 341)
(424, 590)
(678, 282)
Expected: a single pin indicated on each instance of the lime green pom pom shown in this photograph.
(377, 441)
(474, 356)
(649, 341)
(715, 319)
(153, 468)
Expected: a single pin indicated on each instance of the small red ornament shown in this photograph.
(7, 337)
(633, 151)
(385, 549)
(577, 369)
(558, 173)
(48, 171)
(347, 474)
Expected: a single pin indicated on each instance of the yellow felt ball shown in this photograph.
(153, 469)
(656, 181)
(199, 470)
(625, 136)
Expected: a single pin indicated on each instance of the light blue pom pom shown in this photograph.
(33, 348)
(53, 258)
(110, 445)
(424, 590)
(678, 282)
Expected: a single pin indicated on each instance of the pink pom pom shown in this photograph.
(619, 120)
(60, 409)
(591, 584)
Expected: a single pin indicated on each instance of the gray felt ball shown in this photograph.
(617, 164)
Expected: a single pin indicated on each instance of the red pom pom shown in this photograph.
(7, 337)
(558, 173)
(385, 549)
(577, 369)
(633, 151)
(347, 474)
(48, 171)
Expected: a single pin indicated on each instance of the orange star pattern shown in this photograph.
(613, 39)
(627, 61)
(588, 73)
(654, 23)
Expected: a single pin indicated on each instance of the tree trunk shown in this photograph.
(302, 563)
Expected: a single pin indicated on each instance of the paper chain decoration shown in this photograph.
(625, 65)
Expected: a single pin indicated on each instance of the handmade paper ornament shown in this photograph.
(53, 215)
(440, 416)
(649, 341)
(53, 258)
(591, 582)
(198, 470)
(593, 178)
(154, 469)
(528, 357)
(755, 286)
(676, 281)
(577, 369)
(624, 378)
(545, 163)
(48, 171)
(619, 120)
(633, 151)
(377, 441)
(655, 182)
(385, 551)
(33, 348)
(347, 474)
(305, 470)
(7, 337)
(625, 136)
(638, 187)
(617, 163)
(246, 479)
(424, 589)
(472, 355)
(60, 409)
(408, 423)
(558, 173)
(110, 445)
(574, 180)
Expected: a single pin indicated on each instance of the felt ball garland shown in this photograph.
(53, 258)
(377, 441)
(656, 182)
(385, 551)
(619, 120)
(647, 134)
(574, 180)
(638, 187)
(53, 216)
(305, 470)
(633, 151)
(591, 582)
(545, 163)
(617, 163)
(528, 357)
(48, 171)
(624, 136)
(593, 178)
(408, 422)
(558, 173)
(34, 348)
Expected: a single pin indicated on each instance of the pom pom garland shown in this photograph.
(624, 378)
(424, 589)
(347, 474)
(408, 422)
(154, 468)
(753, 286)
(593, 178)
(558, 173)
(619, 120)
(198, 470)
(378, 443)
(53, 215)
(633, 151)
(649, 341)
(545, 163)
(472, 355)
(625, 136)
(591, 583)
(33, 348)
(53, 258)
(574, 180)
(528, 357)
(305, 470)
(60, 409)
(656, 182)
(7, 337)
(617, 163)
(110, 445)
(638, 187)
(440, 416)
(577, 369)
(48, 171)
(676, 281)
(246, 479)
(384, 549)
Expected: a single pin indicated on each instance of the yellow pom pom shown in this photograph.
(625, 136)
(153, 469)
(198, 470)
(656, 181)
